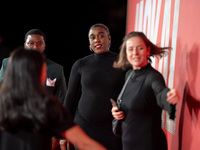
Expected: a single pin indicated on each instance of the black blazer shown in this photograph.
(54, 72)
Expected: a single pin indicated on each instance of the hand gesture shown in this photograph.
(173, 97)
(119, 115)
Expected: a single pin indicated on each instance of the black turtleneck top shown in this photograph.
(142, 103)
(93, 81)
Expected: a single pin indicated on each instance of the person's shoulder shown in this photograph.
(153, 73)
(85, 58)
(5, 59)
(53, 64)
(113, 53)
(82, 61)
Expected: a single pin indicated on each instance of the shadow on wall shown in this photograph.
(190, 105)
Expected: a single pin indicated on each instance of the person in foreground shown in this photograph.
(97, 81)
(55, 82)
(144, 97)
(29, 117)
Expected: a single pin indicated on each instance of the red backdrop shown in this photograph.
(175, 23)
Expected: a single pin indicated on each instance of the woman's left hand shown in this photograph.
(173, 97)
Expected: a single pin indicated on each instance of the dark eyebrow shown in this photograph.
(101, 32)
(98, 33)
(34, 41)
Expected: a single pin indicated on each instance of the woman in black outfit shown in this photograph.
(97, 80)
(29, 117)
(144, 97)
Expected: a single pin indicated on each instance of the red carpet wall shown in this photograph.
(175, 23)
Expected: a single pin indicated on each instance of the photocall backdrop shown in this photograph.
(174, 23)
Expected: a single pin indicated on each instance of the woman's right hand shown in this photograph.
(119, 115)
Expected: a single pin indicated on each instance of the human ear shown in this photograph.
(109, 38)
(25, 45)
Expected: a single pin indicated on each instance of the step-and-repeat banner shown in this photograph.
(175, 23)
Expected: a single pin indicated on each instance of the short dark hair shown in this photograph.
(35, 31)
(102, 26)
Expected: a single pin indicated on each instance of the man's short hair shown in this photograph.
(34, 31)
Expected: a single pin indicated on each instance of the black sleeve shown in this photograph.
(59, 120)
(160, 90)
(73, 91)
(3, 68)
(61, 89)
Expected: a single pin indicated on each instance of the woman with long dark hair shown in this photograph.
(29, 117)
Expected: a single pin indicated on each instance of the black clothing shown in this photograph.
(54, 71)
(142, 103)
(97, 81)
(23, 138)
(4, 52)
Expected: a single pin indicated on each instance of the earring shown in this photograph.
(90, 48)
